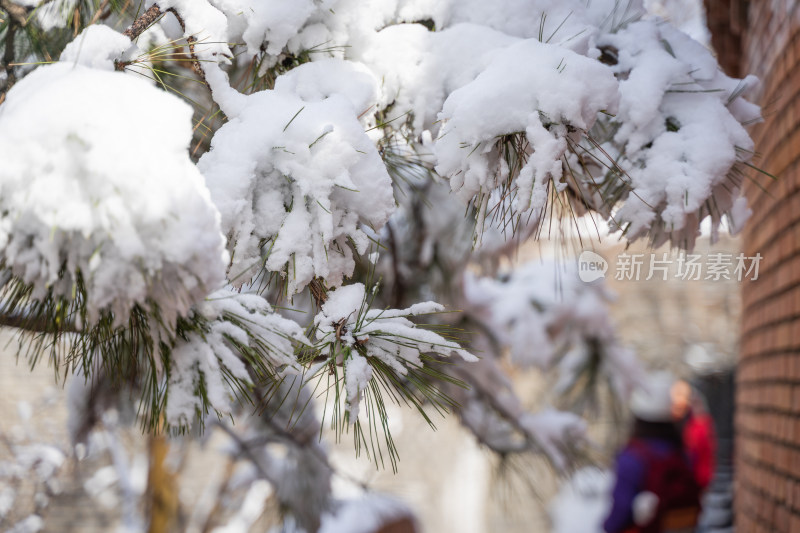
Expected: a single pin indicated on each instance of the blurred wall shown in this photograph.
(763, 38)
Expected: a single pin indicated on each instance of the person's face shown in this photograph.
(681, 396)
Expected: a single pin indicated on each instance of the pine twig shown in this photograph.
(147, 19)
(18, 13)
(318, 291)
(196, 67)
(31, 325)
(144, 21)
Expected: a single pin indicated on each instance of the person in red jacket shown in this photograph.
(697, 429)
(655, 488)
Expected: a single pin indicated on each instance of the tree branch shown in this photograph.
(144, 21)
(18, 18)
(17, 13)
(33, 325)
(101, 12)
(398, 287)
(147, 19)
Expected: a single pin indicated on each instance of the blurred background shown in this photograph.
(449, 481)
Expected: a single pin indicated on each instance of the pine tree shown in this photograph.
(229, 210)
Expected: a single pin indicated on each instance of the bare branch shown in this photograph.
(196, 66)
(18, 14)
(32, 325)
(144, 21)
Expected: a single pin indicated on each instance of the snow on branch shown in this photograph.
(297, 180)
(97, 190)
(493, 412)
(534, 90)
(360, 339)
(679, 141)
(244, 342)
(116, 244)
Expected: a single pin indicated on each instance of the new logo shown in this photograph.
(591, 266)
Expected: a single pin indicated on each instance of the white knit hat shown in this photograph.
(652, 401)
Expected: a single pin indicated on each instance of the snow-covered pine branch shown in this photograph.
(100, 204)
(535, 97)
(297, 179)
(511, 97)
(110, 235)
(543, 317)
(243, 343)
(359, 338)
(369, 350)
(679, 142)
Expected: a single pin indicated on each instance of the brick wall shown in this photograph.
(726, 20)
(767, 457)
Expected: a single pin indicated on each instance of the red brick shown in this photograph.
(767, 457)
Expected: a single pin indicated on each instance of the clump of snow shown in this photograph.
(7, 497)
(32, 524)
(679, 134)
(296, 180)
(39, 459)
(106, 192)
(252, 508)
(270, 22)
(53, 14)
(236, 323)
(317, 81)
(532, 89)
(568, 23)
(418, 69)
(348, 330)
(689, 16)
(738, 215)
(29, 462)
(357, 375)
(101, 481)
(170, 26)
(98, 47)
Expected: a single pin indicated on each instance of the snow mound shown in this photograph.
(583, 502)
(298, 179)
(97, 191)
(97, 47)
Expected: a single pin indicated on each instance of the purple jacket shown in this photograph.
(631, 475)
